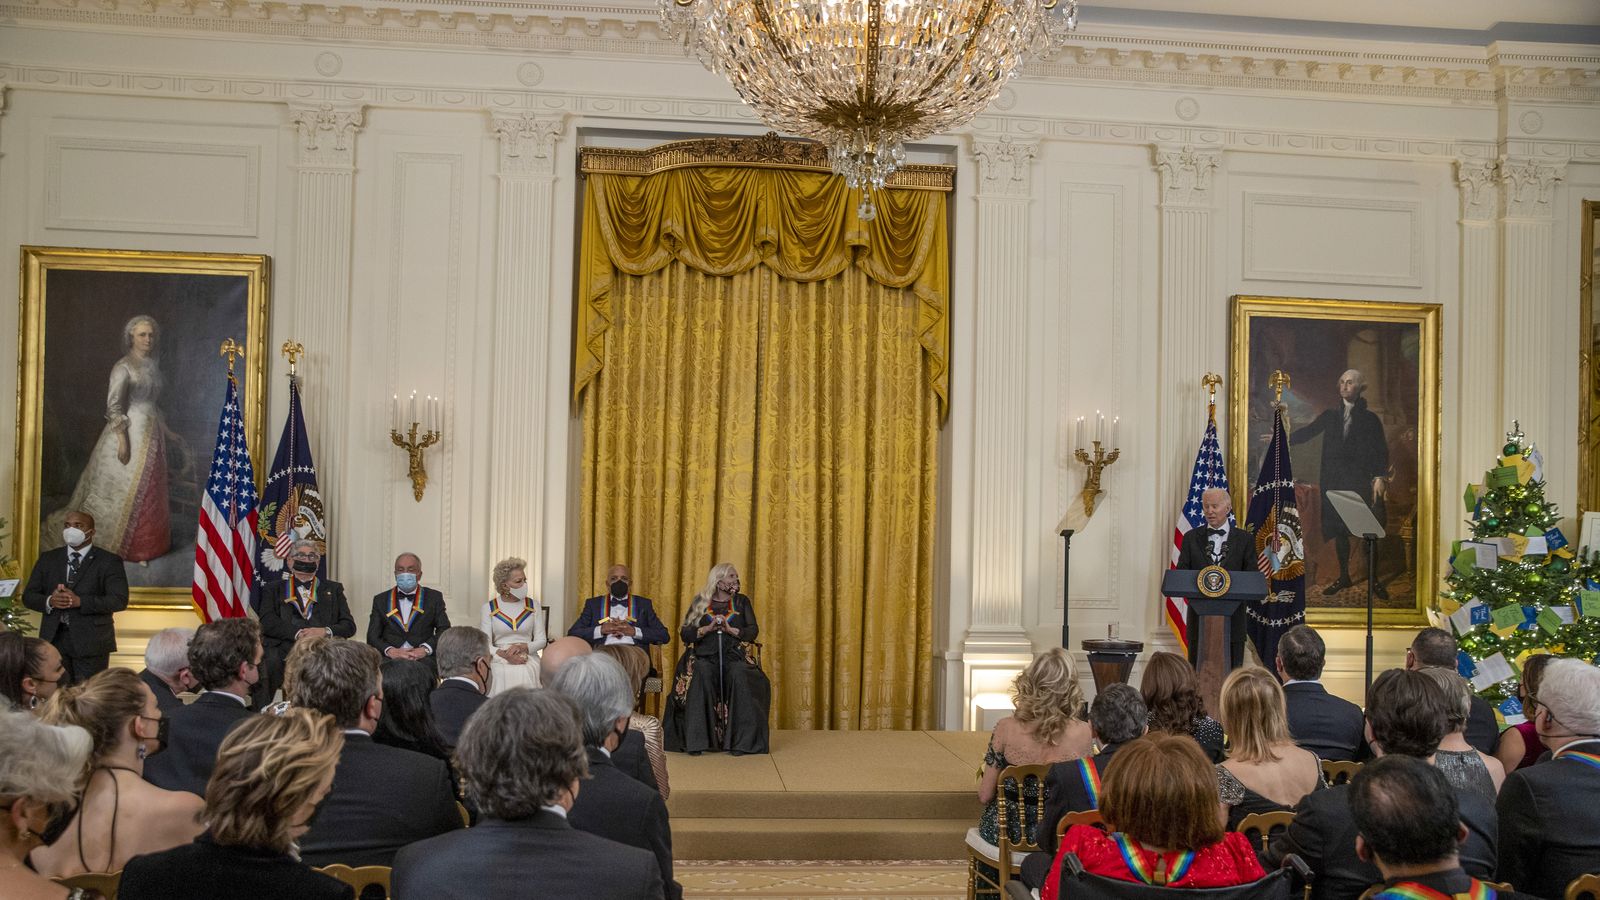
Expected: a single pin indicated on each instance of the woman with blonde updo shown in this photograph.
(121, 815)
(514, 622)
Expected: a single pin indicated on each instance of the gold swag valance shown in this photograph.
(723, 220)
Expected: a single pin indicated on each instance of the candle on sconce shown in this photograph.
(1099, 428)
(394, 413)
(411, 409)
(1116, 423)
(1077, 443)
(433, 413)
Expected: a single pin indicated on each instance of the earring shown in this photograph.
(142, 753)
(33, 701)
(25, 835)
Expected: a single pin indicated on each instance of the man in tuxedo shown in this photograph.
(77, 588)
(521, 757)
(1436, 648)
(630, 756)
(225, 657)
(1329, 726)
(1549, 820)
(1221, 542)
(618, 616)
(166, 667)
(1117, 716)
(464, 671)
(1355, 457)
(1407, 715)
(612, 804)
(382, 798)
(298, 607)
(407, 619)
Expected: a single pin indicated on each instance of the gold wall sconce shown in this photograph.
(1096, 459)
(421, 418)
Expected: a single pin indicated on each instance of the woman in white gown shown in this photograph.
(514, 623)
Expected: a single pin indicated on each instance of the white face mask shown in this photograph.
(521, 593)
(73, 536)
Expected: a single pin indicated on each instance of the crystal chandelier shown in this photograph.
(866, 76)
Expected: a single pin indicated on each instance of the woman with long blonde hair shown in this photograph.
(1266, 771)
(720, 697)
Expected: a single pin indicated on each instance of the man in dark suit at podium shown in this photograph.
(1219, 542)
(77, 588)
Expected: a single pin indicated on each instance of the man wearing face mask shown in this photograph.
(464, 673)
(407, 619)
(77, 588)
(619, 616)
(301, 606)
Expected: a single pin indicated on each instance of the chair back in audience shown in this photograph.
(1260, 827)
(466, 817)
(104, 882)
(1081, 817)
(361, 878)
(1282, 884)
(1584, 887)
(1015, 781)
(1335, 772)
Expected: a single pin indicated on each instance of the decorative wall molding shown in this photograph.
(1528, 185)
(244, 224)
(1185, 174)
(326, 133)
(527, 142)
(1005, 166)
(1257, 269)
(1476, 179)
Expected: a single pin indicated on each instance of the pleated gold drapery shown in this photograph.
(761, 379)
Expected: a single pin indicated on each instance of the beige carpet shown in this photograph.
(836, 880)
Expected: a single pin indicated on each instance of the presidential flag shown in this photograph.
(291, 508)
(225, 545)
(1280, 548)
(1209, 472)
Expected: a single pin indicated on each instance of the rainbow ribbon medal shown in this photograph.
(294, 598)
(1588, 759)
(1091, 781)
(1164, 873)
(1410, 890)
(394, 608)
(509, 622)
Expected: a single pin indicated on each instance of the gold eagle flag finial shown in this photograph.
(231, 349)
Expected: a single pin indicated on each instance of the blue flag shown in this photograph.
(1280, 548)
(291, 508)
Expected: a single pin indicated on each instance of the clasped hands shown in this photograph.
(63, 598)
(406, 653)
(516, 654)
(619, 628)
(718, 623)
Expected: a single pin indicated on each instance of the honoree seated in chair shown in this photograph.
(1160, 802)
(720, 696)
(407, 619)
(296, 608)
(618, 616)
(1220, 542)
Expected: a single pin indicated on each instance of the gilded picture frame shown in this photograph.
(1343, 432)
(119, 389)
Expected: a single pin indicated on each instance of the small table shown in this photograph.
(1111, 661)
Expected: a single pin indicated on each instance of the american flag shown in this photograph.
(225, 547)
(1209, 472)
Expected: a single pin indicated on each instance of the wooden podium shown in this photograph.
(1210, 618)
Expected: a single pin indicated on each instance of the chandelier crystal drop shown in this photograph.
(866, 76)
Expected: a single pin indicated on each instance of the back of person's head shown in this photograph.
(458, 650)
(337, 677)
(556, 654)
(1532, 671)
(1570, 691)
(1457, 695)
(1171, 693)
(1047, 695)
(103, 706)
(218, 649)
(44, 763)
(521, 750)
(1405, 811)
(1253, 714)
(268, 769)
(1302, 653)
(1408, 713)
(20, 657)
(1434, 647)
(167, 653)
(633, 660)
(598, 686)
(1161, 790)
(1118, 714)
(407, 716)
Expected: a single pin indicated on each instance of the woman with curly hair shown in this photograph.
(1172, 694)
(514, 622)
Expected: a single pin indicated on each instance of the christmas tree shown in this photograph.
(1517, 588)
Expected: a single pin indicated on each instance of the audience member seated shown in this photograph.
(1265, 770)
(382, 798)
(272, 772)
(611, 804)
(120, 815)
(1435, 647)
(407, 718)
(41, 768)
(1406, 716)
(166, 667)
(1172, 694)
(1550, 813)
(522, 758)
(514, 622)
(630, 756)
(30, 669)
(1160, 803)
(298, 607)
(637, 666)
(1116, 717)
(225, 657)
(464, 673)
(1463, 766)
(1519, 745)
(291, 665)
(1409, 826)
(1329, 726)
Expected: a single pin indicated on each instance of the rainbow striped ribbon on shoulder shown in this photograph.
(510, 623)
(1170, 868)
(1588, 759)
(1410, 890)
(394, 608)
(1090, 773)
(293, 598)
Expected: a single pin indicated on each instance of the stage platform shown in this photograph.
(830, 795)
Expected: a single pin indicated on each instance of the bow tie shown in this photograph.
(1219, 532)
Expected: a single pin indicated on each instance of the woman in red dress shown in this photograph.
(1160, 801)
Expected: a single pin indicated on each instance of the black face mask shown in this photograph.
(304, 567)
(619, 589)
(163, 727)
(60, 816)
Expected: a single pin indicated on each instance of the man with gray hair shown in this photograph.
(299, 606)
(1355, 457)
(166, 667)
(612, 804)
(464, 671)
(521, 758)
(1549, 821)
(1221, 541)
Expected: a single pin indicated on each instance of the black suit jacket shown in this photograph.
(166, 700)
(1064, 792)
(1331, 727)
(453, 704)
(204, 870)
(193, 737)
(382, 799)
(1349, 461)
(1483, 729)
(281, 621)
(1550, 824)
(102, 585)
(1323, 834)
(540, 856)
(1238, 549)
(651, 631)
(619, 808)
(384, 631)
(632, 758)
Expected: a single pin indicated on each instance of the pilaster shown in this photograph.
(1478, 367)
(1528, 286)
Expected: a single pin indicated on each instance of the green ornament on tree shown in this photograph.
(1491, 522)
(1509, 449)
(1533, 509)
(1557, 564)
(1535, 578)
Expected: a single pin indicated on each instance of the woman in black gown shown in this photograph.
(720, 697)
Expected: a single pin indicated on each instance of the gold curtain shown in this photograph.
(761, 379)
